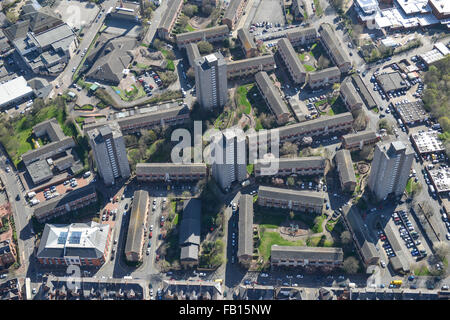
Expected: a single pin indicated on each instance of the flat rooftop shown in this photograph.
(411, 112)
(441, 179)
(428, 142)
(14, 89)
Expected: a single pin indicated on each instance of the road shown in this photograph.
(64, 80)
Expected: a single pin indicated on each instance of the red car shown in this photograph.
(151, 234)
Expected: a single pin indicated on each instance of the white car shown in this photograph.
(299, 276)
(151, 228)
(383, 264)
(264, 275)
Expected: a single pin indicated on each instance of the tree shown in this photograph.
(190, 10)
(207, 9)
(190, 73)
(168, 78)
(361, 120)
(157, 44)
(322, 63)
(386, 124)
(289, 148)
(170, 55)
(350, 265)
(442, 250)
(183, 21)
(291, 215)
(226, 43)
(11, 16)
(346, 237)
(290, 181)
(204, 47)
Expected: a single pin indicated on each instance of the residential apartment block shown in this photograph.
(169, 18)
(170, 172)
(301, 36)
(247, 44)
(82, 244)
(389, 173)
(108, 147)
(305, 166)
(211, 81)
(355, 225)
(350, 96)
(134, 246)
(229, 154)
(309, 201)
(293, 256)
(133, 121)
(355, 141)
(335, 48)
(325, 77)
(245, 233)
(345, 169)
(248, 67)
(291, 60)
(297, 10)
(324, 125)
(272, 97)
(214, 34)
(64, 203)
(192, 53)
(233, 13)
(190, 226)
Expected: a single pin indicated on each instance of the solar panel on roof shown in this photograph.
(62, 237)
(75, 237)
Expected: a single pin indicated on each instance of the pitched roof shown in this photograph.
(324, 73)
(202, 33)
(250, 62)
(189, 252)
(192, 53)
(246, 39)
(190, 222)
(365, 94)
(357, 137)
(17, 30)
(139, 209)
(41, 20)
(349, 92)
(172, 9)
(84, 240)
(291, 56)
(306, 253)
(272, 95)
(232, 8)
(62, 200)
(288, 163)
(57, 146)
(356, 223)
(170, 168)
(307, 197)
(245, 240)
(345, 166)
(320, 123)
(112, 59)
(340, 56)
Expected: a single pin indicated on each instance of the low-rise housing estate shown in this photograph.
(272, 97)
(248, 67)
(134, 246)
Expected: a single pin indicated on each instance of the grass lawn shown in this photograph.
(141, 66)
(170, 65)
(309, 68)
(319, 103)
(319, 242)
(136, 93)
(301, 56)
(242, 92)
(86, 107)
(189, 28)
(317, 228)
(422, 271)
(175, 220)
(250, 168)
(376, 110)
(153, 148)
(270, 238)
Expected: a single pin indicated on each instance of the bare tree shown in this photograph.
(350, 265)
(289, 149)
(442, 250)
(346, 237)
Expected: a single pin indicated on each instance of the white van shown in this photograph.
(31, 194)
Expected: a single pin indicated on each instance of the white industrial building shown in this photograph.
(14, 92)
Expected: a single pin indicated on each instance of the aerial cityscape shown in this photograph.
(224, 150)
